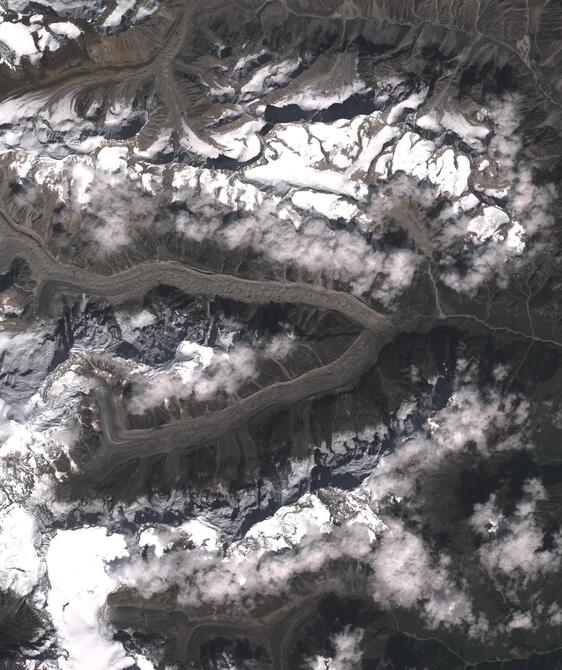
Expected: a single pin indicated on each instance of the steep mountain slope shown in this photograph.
(280, 337)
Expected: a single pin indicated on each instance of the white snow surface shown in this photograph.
(330, 205)
(286, 528)
(162, 538)
(472, 134)
(91, 9)
(110, 159)
(269, 77)
(18, 38)
(486, 224)
(452, 120)
(310, 98)
(412, 102)
(66, 29)
(418, 158)
(76, 562)
(20, 564)
(242, 143)
(294, 157)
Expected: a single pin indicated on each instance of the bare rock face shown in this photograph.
(280, 336)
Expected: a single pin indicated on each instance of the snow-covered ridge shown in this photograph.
(32, 38)
(26, 34)
(304, 175)
(320, 179)
(28, 31)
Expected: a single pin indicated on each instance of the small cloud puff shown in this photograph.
(347, 652)
(514, 545)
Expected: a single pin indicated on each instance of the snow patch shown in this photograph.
(66, 29)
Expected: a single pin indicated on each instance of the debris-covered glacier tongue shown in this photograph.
(279, 335)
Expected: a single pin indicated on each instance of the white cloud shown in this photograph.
(316, 248)
(163, 538)
(513, 545)
(319, 528)
(501, 233)
(298, 538)
(406, 574)
(201, 373)
(467, 422)
(347, 653)
(522, 620)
